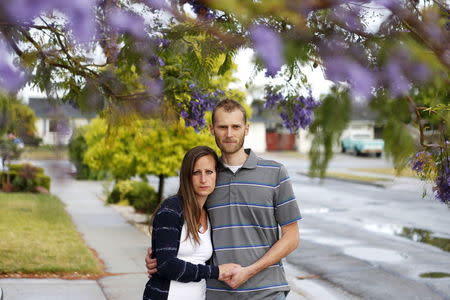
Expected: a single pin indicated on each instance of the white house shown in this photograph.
(55, 122)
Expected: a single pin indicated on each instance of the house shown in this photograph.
(266, 131)
(56, 121)
(278, 138)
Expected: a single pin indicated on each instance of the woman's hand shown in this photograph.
(225, 271)
(150, 263)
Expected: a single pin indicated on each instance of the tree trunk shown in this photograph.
(161, 187)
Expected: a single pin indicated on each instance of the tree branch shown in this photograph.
(418, 117)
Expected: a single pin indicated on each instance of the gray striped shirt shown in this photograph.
(246, 210)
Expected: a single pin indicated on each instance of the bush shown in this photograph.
(32, 140)
(77, 149)
(24, 178)
(138, 194)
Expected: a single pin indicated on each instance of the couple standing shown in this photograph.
(247, 200)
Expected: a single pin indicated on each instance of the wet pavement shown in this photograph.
(371, 242)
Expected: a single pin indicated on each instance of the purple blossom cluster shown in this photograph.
(420, 160)
(272, 98)
(348, 63)
(296, 112)
(194, 112)
(299, 113)
(442, 183)
(269, 47)
(80, 13)
(127, 22)
(11, 78)
(423, 161)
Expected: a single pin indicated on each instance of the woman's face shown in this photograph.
(204, 176)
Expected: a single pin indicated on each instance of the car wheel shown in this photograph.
(378, 155)
(342, 149)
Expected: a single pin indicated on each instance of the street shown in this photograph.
(363, 241)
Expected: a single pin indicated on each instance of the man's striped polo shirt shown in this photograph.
(246, 210)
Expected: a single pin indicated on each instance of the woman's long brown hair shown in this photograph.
(191, 208)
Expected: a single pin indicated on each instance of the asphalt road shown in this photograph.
(363, 241)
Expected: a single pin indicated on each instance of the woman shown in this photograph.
(181, 236)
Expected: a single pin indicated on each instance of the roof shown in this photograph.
(43, 108)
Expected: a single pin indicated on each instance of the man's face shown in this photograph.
(229, 130)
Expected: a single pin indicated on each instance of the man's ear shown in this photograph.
(247, 128)
(211, 129)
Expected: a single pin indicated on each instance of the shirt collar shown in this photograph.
(250, 162)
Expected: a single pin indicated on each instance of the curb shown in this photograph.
(375, 184)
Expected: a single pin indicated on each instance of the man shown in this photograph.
(253, 197)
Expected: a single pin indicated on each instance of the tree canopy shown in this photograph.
(160, 58)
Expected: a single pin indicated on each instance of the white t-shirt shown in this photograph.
(197, 254)
(233, 168)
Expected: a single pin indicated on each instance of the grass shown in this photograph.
(388, 171)
(434, 275)
(347, 176)
(37, 236)
(45, 153)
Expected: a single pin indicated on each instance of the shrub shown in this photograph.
(77, 149)
(24, 178)
(138, 194)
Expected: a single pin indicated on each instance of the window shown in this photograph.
(60, 126)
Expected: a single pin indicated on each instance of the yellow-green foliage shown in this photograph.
(143, 147)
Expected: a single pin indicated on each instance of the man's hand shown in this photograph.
(239, 276)
(225, 271)
(150, 263)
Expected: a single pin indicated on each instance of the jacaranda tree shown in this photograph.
(160, 57)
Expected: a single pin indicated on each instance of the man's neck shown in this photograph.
(235, 159)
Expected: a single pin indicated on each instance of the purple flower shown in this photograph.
(398, 84)
(80, 13)
(269, 47)
(401, 71)
(27, 10)
(349, 17)
(158, 4)
(10, 78)
(442, 187)
(194, 114)
(272, 98)
(360, 78)
(82, 17)
(420, 160)
(297, 112)
(127, 22)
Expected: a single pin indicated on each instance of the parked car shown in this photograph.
(362, 144)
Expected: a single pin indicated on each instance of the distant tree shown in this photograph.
(145, 148)
(16, 118)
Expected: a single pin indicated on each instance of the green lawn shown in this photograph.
(347, 176)
(37, 236)
(407, 172)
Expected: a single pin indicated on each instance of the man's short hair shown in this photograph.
(229, 105)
